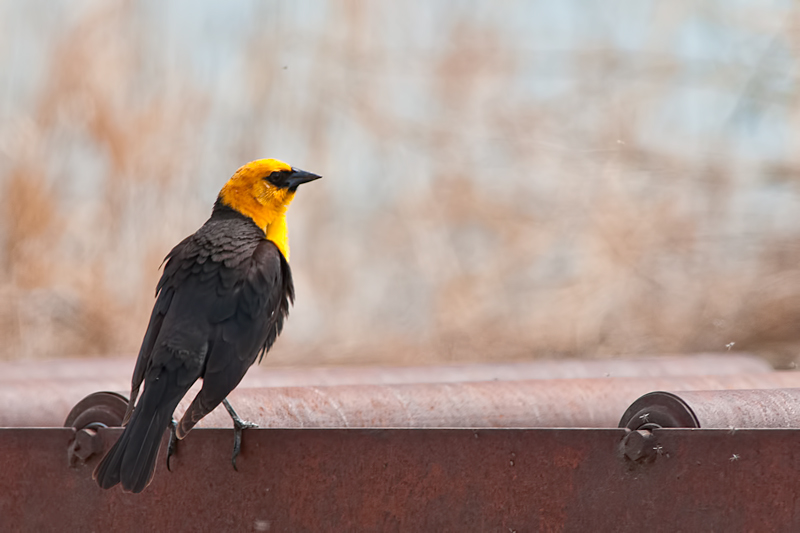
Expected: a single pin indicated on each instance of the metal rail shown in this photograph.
(773, 408)
(532, 403)
(490, 475)
(417, 480)
(40, 393)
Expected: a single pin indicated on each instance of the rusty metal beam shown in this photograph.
(40, 393)
(416, 480)
(531, 403)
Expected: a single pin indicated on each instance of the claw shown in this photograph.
(238, 426)
(173, 441)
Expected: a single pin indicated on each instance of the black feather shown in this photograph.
(221, 301)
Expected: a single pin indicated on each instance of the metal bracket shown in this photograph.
(98, 410)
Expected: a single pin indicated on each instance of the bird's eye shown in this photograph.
(279, 177)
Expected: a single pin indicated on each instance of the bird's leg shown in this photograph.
(238, 426)
(173, 440)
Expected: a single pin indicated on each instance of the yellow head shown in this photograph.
(262, 190)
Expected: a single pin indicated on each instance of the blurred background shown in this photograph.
(503, 181)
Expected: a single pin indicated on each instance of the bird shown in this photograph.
(222, 300)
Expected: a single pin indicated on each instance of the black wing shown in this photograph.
(165, 290)
(253, 302)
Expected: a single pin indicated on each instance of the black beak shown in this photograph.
(299, 177)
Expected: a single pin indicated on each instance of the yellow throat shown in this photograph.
(251, 194)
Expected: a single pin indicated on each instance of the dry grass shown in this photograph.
(486, 197)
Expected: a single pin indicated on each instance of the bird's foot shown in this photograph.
(238, 426)
(173, 441)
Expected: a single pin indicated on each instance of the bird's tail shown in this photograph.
(132, 460)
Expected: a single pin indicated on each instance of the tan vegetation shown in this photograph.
(487, 195)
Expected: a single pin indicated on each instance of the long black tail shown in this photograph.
(132, 460)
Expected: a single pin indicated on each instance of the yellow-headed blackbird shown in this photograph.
(221, 300)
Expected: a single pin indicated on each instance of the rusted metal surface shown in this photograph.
(110, 373)
(41, 393)
(534, 403)
(417, 480)
(42, 404)
(773, 408)
(531, 403)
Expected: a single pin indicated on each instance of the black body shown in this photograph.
(222, 299)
